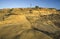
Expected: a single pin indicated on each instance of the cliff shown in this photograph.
(29, 23)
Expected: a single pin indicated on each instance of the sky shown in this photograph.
(29, 3)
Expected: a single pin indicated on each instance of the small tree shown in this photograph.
(36, 7)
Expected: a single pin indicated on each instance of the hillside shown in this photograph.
(18, 23)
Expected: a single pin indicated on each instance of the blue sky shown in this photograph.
(26, 3)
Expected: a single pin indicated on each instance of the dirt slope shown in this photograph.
(18, 27)
(27, 27)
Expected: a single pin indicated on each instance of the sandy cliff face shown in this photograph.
(18, 27)
(29, 25)
(16, 20)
